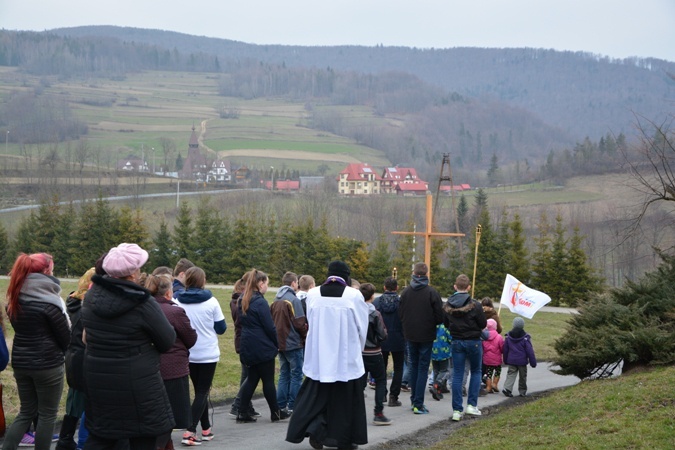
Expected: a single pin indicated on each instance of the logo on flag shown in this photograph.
(521, 299)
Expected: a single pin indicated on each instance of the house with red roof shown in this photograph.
(412, 188)
(393, 176)
(457, 188)
(359, 179)
(283, 185)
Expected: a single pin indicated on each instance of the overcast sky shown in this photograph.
(615, 28)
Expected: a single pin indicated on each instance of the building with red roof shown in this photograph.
(412, 188)
(393, 176)
(359, 179)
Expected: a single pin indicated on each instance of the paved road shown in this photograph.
(264, 435)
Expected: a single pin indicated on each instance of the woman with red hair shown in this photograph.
(41, 337)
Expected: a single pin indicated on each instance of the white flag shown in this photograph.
(520, 299)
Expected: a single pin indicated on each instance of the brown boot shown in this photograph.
(488, 386)
(393, 401)
(495, 385)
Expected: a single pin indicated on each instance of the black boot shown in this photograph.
(67, 434)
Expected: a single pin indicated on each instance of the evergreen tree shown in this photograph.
(24, 241)
(182, 232)
(161, 251)
(541, 257)
(493, 172)
(583, 280)
(132, 228)
(405, 251)
(490, 268)
(440, 275)
(463, 214)
(633, 325)
(558, 282)
(358, 262)
(380, 267)
(62, 244)
(96, 231)
(518, 261)
(203, 238)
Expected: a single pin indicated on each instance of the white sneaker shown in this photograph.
(457, 416)
(473, 410)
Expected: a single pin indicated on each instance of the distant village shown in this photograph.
(357, 179)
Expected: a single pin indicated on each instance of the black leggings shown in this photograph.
(202, 377)
(265, 372)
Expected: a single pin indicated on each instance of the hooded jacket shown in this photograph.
(518, 350)
(377, 332)
(493, 347)
(41, 329)
(207, 318)
(289, 320)
(465, 317)
(387, 304)
(420, 310)
(126, 332)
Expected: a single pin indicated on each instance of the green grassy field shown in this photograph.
(634, 411)
(123, 115)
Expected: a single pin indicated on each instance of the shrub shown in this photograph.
(634, 325)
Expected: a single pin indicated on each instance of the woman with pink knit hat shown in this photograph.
(125, 332)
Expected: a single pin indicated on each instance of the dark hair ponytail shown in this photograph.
(252, 277)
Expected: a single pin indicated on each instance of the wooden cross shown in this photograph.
(428, 234)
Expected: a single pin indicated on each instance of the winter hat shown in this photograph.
(339, 269)
(518, 323)
(123, 260)
(492, 324)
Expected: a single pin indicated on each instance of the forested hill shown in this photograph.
(583, 94)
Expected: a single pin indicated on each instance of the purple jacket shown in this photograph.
(492, 349)
(518, 349)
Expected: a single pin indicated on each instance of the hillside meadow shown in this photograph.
(545, 327)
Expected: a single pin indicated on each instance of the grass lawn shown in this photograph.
(634, 411)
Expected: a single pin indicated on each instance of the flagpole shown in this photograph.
(479, 228)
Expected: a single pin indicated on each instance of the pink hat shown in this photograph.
(492, 324)
(123, 260)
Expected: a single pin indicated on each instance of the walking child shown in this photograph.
(373, 362)
(493, 347)
(518, 353)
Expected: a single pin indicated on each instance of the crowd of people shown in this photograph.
(130, 343)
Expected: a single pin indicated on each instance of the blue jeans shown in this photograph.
(420, 358)
(290, 377)
(462, 351)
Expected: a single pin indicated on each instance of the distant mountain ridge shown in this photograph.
(580, 93)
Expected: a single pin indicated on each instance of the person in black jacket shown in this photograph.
(466, 322)
(421, 309)
(125, 331)
(258, 346)
(387, 304)
(41, 336)
(74, 365)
